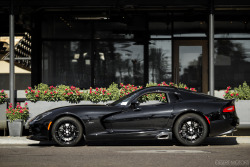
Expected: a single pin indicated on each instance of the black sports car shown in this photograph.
(147, 114)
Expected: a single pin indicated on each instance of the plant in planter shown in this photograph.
(3, 106)
(43, 92)
(99, 94)
(242, 96)
(127, 89)
(16, 117)
(114, 91)
(239, 93)
(180, 85)
(3, 96)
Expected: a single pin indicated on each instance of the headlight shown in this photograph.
(41, 116)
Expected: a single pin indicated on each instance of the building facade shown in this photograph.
(94, 43)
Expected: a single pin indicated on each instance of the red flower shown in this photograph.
(227, 91)
(232, 94)
(29, 88)
(237, 94)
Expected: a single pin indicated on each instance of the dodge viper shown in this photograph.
(154, 113)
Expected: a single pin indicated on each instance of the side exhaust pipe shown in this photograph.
(164, 136)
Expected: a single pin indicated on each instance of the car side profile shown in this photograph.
(154, 113)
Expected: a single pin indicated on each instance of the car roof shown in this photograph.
(162, 88)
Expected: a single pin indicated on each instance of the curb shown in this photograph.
(224, 140)
(20, 141)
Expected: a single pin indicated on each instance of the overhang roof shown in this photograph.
(5, 68)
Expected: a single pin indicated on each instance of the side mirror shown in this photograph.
(136, 106)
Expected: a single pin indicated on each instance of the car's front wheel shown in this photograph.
(190, 129)
(67, 131)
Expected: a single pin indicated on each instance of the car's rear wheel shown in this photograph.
(190, 129)
(67, 131)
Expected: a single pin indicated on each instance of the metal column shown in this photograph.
(211, 49)
(12, 43)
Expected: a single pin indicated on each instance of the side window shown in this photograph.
(153, 98)
(173, 97)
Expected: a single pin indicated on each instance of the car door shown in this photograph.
(148, 116)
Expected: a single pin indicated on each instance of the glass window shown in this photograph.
(160, 61)
(111, 30)
(22, 67)
(232, 35)
(190, 29)
(67, 62)
(65, 26)
(152, 99)
(120, 62)
(231, 29)
(190, 65)
(232, 62)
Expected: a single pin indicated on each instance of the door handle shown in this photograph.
(137, 109)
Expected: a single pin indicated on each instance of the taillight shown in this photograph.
(229, 109)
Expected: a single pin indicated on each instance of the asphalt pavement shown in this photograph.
(222, 140)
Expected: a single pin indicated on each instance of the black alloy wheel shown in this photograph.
(190, 129)
(67, 131)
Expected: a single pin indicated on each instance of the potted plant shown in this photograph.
(16, 117)
(3, 106)
(242, 96)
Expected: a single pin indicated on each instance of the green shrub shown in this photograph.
(239, 93)
(99, 94)
(171, 84)
(43, 92)
(3, 96)
(114, 91)
(127, 89)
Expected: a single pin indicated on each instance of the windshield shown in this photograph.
(124, 100)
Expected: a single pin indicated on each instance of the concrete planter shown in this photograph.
(42, 106)
(243, 112)
(3, 124)
(15, 127)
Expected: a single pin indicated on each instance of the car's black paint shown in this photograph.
(125, 119)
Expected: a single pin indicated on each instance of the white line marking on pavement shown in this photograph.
(166, 151)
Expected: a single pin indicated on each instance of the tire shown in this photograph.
(67, 131)
(190, 129)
